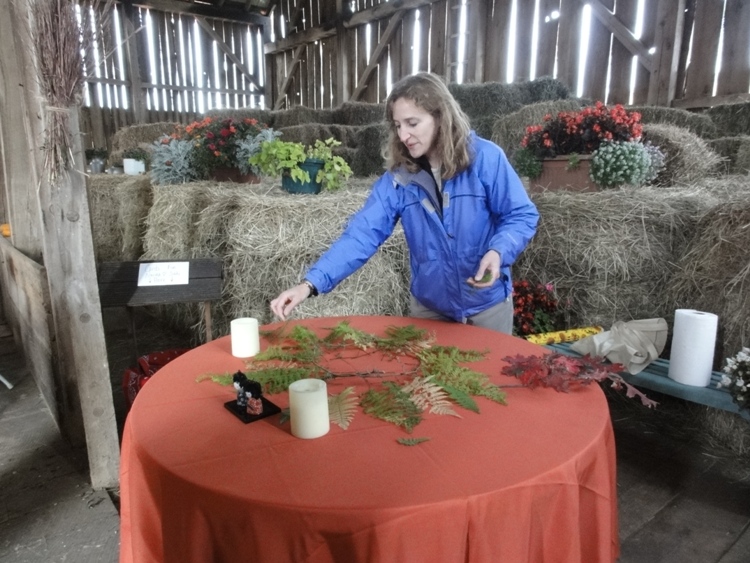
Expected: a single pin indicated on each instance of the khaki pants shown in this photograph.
(498, 317)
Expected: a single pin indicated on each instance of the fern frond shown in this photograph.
(342, 407)
(277, 379)
(462, 398)
(285, 416)
(220, 378)
(411, 441)
(392, 405)
(429, 396)
(399, 339)
(343, 332)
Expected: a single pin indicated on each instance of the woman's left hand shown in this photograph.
(488, 272)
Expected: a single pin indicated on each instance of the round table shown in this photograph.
(531, 481)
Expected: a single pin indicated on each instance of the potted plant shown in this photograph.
(303, 169)
(134, 160)
(564, 145)
(211, 148)
(96, 159)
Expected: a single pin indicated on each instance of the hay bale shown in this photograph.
(735, 151)
(310, 132)
(742, 163)
(140, 135)
(689, 159)
(262, 115)
(118, 206)
(275, 238)
(610, 254)
(368, 141)
(544, 88)
(300, 115)
(731, 119)
(714, 273)
(358, 113)
(508, 130)
(699, 123)
(487, 99)
(482, 126)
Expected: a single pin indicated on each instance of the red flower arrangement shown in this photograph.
(565, 373)
(535, 308)
(581, 132)
(215, 141)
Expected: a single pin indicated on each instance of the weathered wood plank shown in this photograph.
(548, 29)
(438, 34)
(700, 77)
(621, 61)
(568, 42)
(27, 303)
(597, 62)
(524, 27)
(663, 80)
(734, 75)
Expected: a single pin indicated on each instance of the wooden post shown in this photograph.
(343, 86)
(87, 412)
(137, 94)
(668, 39)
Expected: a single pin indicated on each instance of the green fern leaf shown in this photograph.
(411, 441)
(343, 332)
(220, 378)
(392, 405)
(462, 398)
(284, 416)
(278, 379)
(342, 407)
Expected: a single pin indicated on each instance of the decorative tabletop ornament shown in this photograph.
(250, 404)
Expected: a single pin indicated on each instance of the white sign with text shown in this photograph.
(164, 273)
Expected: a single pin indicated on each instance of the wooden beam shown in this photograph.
(622, 33)
(137, 94)
(228, 52)
(206, 10)
(341, 72)
(377, 53)
(669, 28)
(289, 76)
(710, 101)
(329, 29)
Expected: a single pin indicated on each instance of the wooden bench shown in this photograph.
(118, 287)
(655, 377)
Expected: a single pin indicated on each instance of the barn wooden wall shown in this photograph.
(320, 53)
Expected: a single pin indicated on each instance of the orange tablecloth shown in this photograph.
(532, 481)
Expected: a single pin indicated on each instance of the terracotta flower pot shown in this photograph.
(232, 174)
(558, 175)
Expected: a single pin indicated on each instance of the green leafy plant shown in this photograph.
(527, 164)
(279, 157)
(137, 153)
(619, 163)
(96, 153)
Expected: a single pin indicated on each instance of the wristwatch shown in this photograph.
(313, 289)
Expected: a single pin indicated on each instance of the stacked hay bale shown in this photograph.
(486, 102)
(267, 239)
(138, 136)
(610, 254)
(118, 206)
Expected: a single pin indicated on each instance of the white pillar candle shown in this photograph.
(308, 408)
(245, 337)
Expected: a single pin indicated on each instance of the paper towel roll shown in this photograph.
(693, 342)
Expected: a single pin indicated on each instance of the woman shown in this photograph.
(465, 214)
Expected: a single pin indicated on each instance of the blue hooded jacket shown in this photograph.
(485, 207)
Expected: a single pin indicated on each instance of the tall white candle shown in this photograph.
(308, 408)
(245, 337)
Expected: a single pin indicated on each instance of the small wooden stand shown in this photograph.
(118, 287)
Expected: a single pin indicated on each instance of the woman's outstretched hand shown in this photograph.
(283, 305)
(488, 271)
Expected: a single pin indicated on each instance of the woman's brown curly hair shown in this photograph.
(430, 93)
